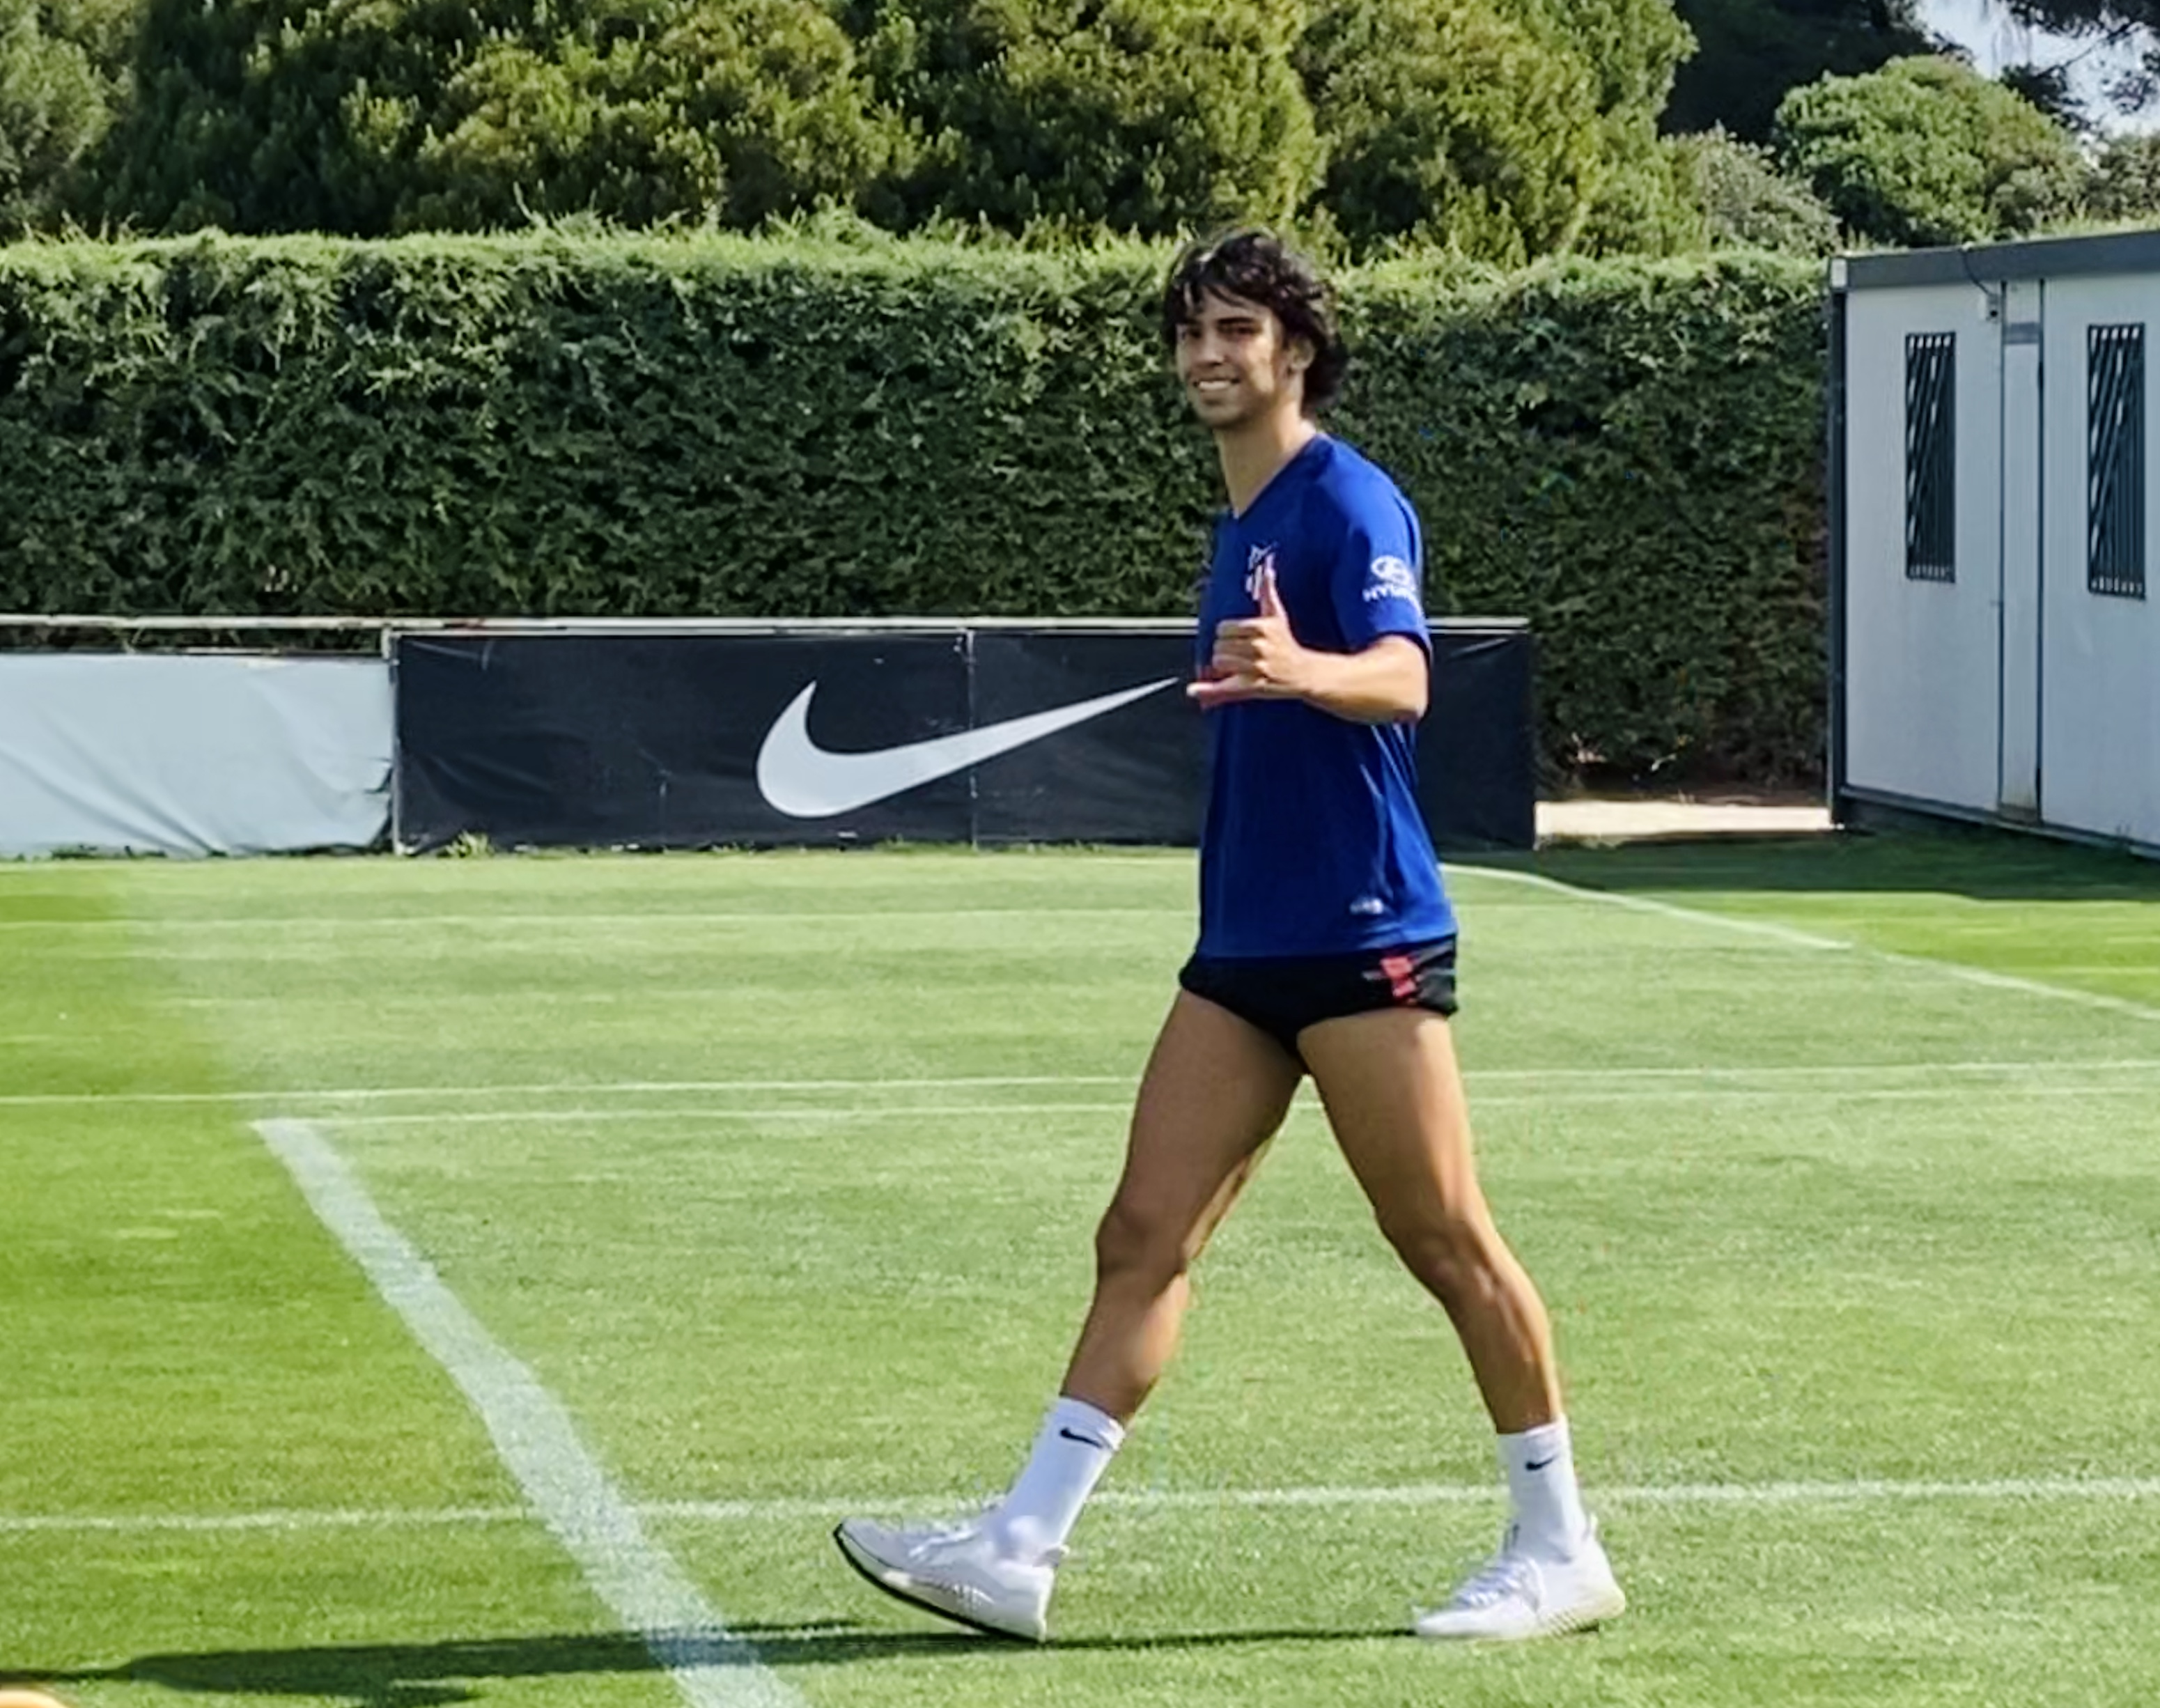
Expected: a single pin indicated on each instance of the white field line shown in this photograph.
(274, 1519)
(1476, 1078)
(1445, 1494)
(638, 1580)
(1857, 1491)
(624, 1088)
(569, 1087)
(371, 924)
(554, 923)
(793, 1112)
(1811, 941)
(949, 1112)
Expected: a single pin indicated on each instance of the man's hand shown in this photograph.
(1256, 657)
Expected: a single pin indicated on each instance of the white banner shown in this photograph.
(192, 755)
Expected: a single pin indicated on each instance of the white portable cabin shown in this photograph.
(1995, 627)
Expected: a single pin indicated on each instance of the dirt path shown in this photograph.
(1641, 819)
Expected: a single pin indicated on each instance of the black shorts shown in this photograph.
(1283, 997)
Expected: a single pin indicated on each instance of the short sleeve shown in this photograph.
(1379, 573)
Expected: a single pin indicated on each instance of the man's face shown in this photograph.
(1237, 365)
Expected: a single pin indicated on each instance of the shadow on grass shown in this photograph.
(1976, 863)
(420, 1675)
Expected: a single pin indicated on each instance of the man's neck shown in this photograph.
(1254, 453)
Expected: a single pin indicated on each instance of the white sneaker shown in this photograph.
(1518, 1594)
(955, 1570)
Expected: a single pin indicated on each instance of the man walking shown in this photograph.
(1326, 946)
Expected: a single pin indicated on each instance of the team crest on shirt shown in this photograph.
(1391, 578)
(1259, 562)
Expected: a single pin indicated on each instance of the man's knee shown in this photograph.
(1454, 1255)
(1139, 1240)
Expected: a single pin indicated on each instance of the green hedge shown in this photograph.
(1629, 456)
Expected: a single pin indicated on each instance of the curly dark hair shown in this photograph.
(1255, 266)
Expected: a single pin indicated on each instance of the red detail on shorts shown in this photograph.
(1403, 971)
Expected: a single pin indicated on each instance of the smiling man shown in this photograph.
(1326, 945)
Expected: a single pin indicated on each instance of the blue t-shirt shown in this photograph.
(1313, 843)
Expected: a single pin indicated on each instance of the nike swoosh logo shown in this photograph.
(1086, 1440)
(1539, 1464)
(798, 777)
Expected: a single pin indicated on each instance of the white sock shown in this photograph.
(1070, 1454)
(1539, 1464)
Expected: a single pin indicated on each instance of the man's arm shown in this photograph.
(1386, 683)
(1258, 658)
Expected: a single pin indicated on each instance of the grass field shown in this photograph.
(419, 1273)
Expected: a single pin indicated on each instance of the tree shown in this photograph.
(2047, 87)
(370, 117)
(60, 75)
(1447, 122)
(1750, 54)
(2098, 24)
(1634, 49)
(2125, 180)
(1926, 151)
(735, 112)
(1143, 116)
(1646, 205)
(1747, 203)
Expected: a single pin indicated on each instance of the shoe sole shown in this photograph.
(872, 1572)
(1590, 1619)
(1575, 1624)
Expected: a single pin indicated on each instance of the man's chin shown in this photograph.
(1220, 413)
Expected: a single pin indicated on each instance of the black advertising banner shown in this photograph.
(687, 738)
(1137, 772)
(1477, 748)
(651, 740)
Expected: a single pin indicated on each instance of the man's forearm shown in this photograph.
(1386, 683)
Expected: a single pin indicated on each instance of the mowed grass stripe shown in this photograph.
(2058, 915)
(1809, 941)
(1706, 1080)
(147, 1252)
(1776, 1293)
(181, 1334)
(1812, 1096)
